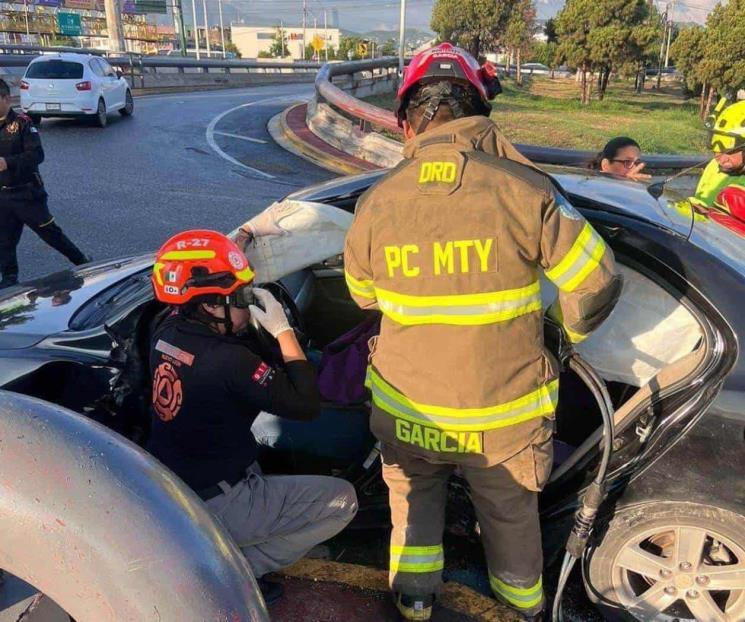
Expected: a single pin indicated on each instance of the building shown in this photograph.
(252, 40)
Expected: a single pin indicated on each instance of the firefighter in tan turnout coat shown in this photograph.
(449, 246)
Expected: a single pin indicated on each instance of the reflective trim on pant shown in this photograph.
(460, 309)
(417, 558)
(539, 403)
(584, 256)
(358, 287)
(523, 598)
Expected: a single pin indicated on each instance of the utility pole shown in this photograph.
(325, 35)
(178, 22)
(206, 27)
(282, 38)
(305, 19)
(401, 38)
(669, 34)
(114, 26)
(196, 28)
(222, 30)
(662, 48)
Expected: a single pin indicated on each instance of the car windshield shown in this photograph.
(55, 69)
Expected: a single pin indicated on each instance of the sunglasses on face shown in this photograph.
(628, 164)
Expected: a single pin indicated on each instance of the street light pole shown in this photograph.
(206, 27)
(401, 41)
(305, 19)
(669, 34)
(325, 35)
(196, 28)
(178, 18)
(222, 30)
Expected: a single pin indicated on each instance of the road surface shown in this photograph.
(199, 160)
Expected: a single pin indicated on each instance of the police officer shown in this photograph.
(209, 385)
(448, 246)
(23, 199)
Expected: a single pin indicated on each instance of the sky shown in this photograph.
(367, 15)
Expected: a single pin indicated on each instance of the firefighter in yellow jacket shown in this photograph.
(449, 246)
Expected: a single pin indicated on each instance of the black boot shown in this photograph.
(414, 607)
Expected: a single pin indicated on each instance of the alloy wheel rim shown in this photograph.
(680, 574)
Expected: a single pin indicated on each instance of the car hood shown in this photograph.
(33, 310)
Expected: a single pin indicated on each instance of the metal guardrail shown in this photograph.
(385, 119)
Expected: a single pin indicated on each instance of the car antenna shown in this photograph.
(656, 189)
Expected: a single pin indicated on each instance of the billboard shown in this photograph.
(86, 5)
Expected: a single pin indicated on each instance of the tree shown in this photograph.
(232, 48)
(687, 51)
(550, 31)
(347, 44)
(475, 25)
(278, 49)
(389, 48)
(602, 37)
(519, 32)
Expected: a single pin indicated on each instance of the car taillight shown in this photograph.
(83, 86)
(25, 86)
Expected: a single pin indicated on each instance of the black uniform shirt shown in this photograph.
(207, 391)
(20, 145)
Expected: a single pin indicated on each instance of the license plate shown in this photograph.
(54, 107)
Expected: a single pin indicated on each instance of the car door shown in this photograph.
(115, 88)
(98, 79)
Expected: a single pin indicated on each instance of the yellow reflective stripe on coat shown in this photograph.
(539, 403)
(522, 598)
(358, 287)
(417, 558)
(460, 309)
(186, 255)
(584, 256)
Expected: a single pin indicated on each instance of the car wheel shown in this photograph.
(670, 562)
(101, 119)
(35, 119)
(129, 105)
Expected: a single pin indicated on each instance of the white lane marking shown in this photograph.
(303, 92)
(239, 137)
(210, 132)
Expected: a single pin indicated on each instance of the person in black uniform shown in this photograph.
(23, 200)
(209, 385)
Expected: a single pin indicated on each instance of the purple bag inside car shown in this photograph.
(341, 374)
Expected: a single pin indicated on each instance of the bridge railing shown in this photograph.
(137, 67)
(338, 85)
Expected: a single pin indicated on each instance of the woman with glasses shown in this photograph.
(621, 157)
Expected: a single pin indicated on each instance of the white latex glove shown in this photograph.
(273, 317)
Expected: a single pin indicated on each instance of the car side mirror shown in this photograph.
(656, 189)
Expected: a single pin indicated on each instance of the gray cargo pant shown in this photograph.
(276, 519)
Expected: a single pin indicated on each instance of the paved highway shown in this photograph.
(182, 161)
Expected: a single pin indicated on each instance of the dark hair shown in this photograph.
(611, 149)
(4, 88)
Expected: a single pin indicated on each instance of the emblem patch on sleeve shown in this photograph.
(263, 374)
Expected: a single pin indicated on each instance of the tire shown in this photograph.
(129, 105)
(35, 119)
(100, 119)
(638, 572)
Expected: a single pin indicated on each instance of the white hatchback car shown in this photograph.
(71, 85)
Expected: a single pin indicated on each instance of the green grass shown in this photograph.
(548, 112)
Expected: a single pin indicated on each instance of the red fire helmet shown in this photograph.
(446, 62)
(199, 262)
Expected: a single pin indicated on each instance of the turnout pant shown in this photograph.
(276, 519)
(28, 206)
(505, 498)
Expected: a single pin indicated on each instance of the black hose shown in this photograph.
(595, 494)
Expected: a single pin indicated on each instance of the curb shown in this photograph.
(286, 138)
(453, 596)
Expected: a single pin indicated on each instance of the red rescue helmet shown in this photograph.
(451, 64)
(197, 263)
